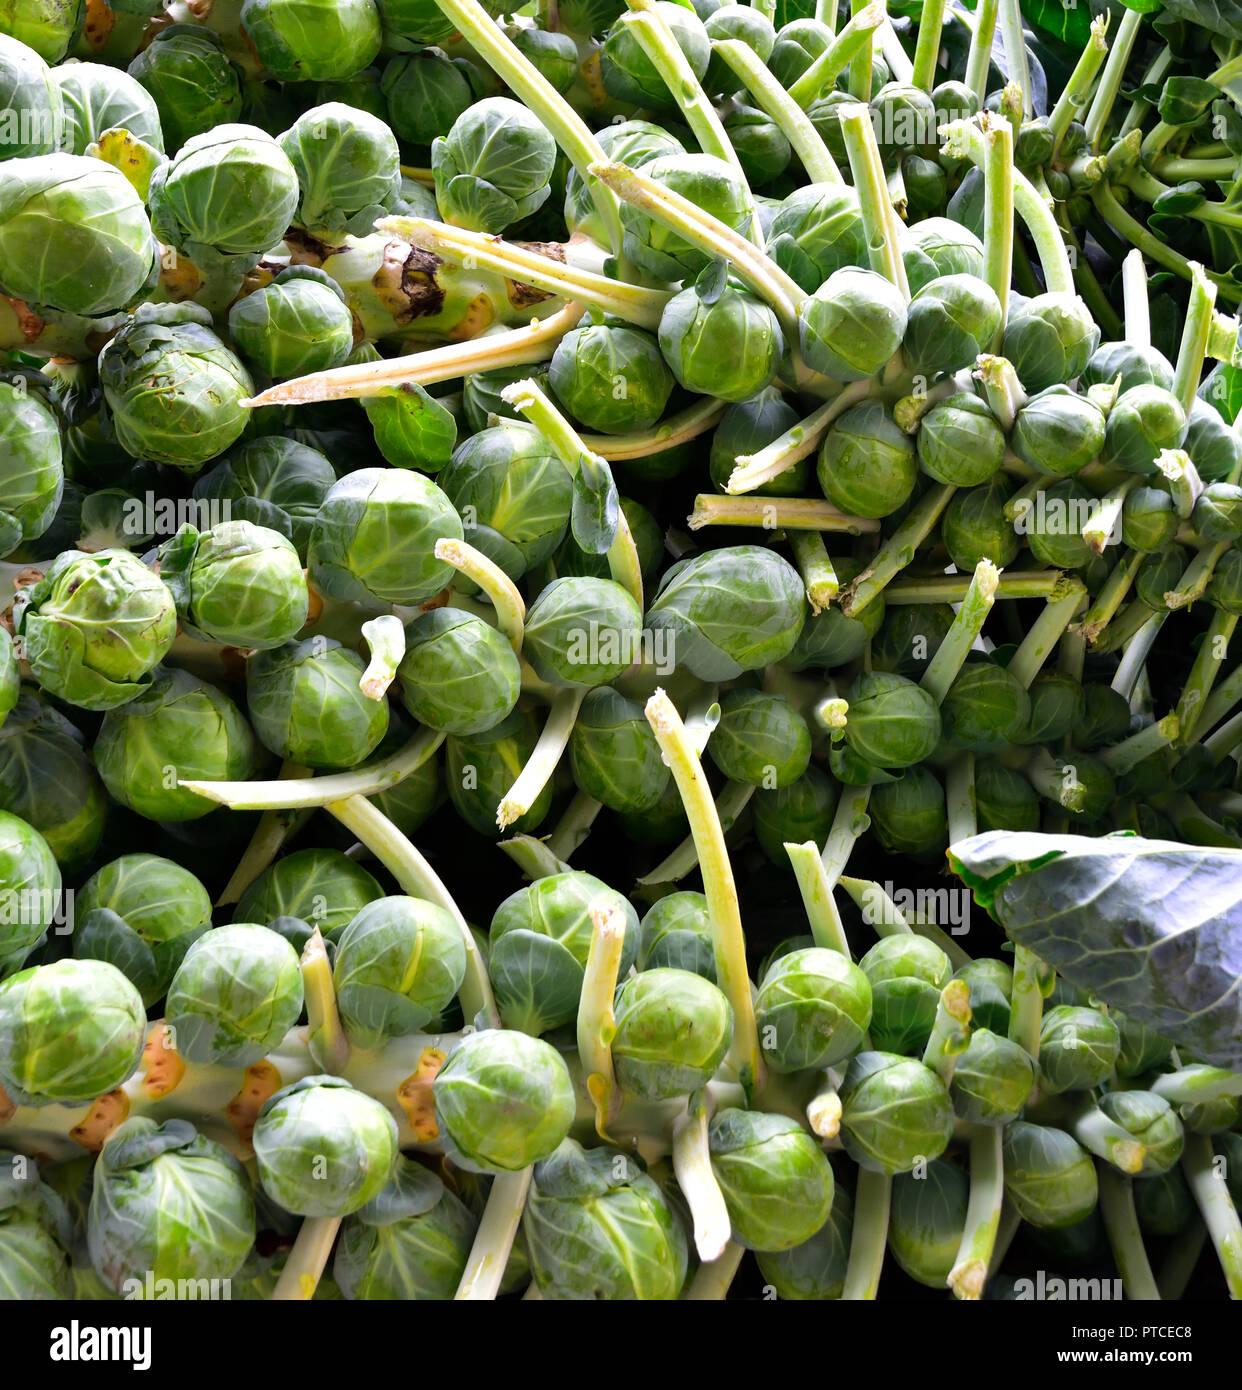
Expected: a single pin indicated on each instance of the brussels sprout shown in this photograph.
(173, 389)
(726, 345)
(96, 626)
(69, 1032)
(892, 722)
(760, 739)
(482, 767)
(776, 1181)
(1078, 1048)
(140, 913)
(1225, 589)
(515, 494)
(1049, 339)
(1212, 1116)
(1141, 1049)
(346, 165)
(1212, 443)
(829, 639)
(797, 45)
(812, 1010)
(817, 232)
(611, 377)
(908, 815)
(974, 526)
(906, 974)
(1164, 1204)
(323, 1148)
(96, 98)
(1049, 1179)
(909, 637)
(426, 92)
(319, 886)
(306, 705)
(927, 1218)
(730, 610)
(1158, 574)
(1143, 422)
(711, 184)
(990, 982)
(630, 76)
(273, 482)
(851, 325)
(867, 464)
(298, 324)
(1052, 523)
(759, 143)
(503, 1101)
(1149, 519)
(938, 247)
(1153, 1122)
(993, 1079)
(750, 425)
(540, 939)
(1106, 717)
(410, 1241)
(741, 22)
(458, 673)
(582, 631)
(493, 167)
(374, 539)
(178, 722)
(959, 442)
(951, 320)
(895, 1112)
(1217, 514)
(1058, 707)
(598, 1228)
(1059, 431)
(93, 216)
(1127, 365)
(32, 1263)
(554, 55)
(635, 143)
(313, 40)
(677, 935)
(31, 96)
(192, 80)
(814, 1269)
(30, 886)
(614, 753)
(799, 812)
(167, 1202)
(673, 1029)
(985, 709)
(32, 476)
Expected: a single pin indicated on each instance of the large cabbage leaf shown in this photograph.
(1152, 927)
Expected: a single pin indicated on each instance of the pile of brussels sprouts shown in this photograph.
(502, 516)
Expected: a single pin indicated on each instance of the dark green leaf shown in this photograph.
(596, 508)
(1220, 16)
(1186, 197)
(1223, 389)
(1185, 100)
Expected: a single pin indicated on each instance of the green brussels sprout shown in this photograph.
(759, 143)
(313, 40)
(611, 378)
(346, 165)
(951, 320)
(173, 389)
(503, 1101)
(960, 442)
(493, 167)
(95, 627)
(851, 325)
(298, 324)
(892, 722)
(1058, 708)
(177, 722)
(407, 25)
(1164, 1204)
(630, 76)
(1049, 1179)
(829, 639)
(748, 26)
(1153, 1122)
(812, 1010)
(96, 98)
(30, 95)
(909, 637)
(554, 55)
(140, 913)
(908, 815)
(398, 966)
(1211, 1117)
(760, 739)
(323, 1148)
(927, 1218)
(635, 143)
(540, 939)
(673, 1029)
(1158, 574)
(320, 886)
(750, 425)
(598, 1228)
(726, 345)
(236, 993)
(1217, 514)
(907, 974)
(993, 1079)
(814, 1269)
(306, 704)
(1059, 431)
(482, 767)
(1078, 1048)
(1143, 422)
(91, 213)
(271, 481)
(974, 526)
(69, 1032)
(33, 1264)
(816, 232)
(798, 44)
(30, 888)
(709, 183)
(1127, 365)
(1141, 1049)
(167, 1203)
(192, 80)
(1051, 524)
(1213, 444)
(1225, 589)
(1149, 519)
(614, 753)
(938, 247)
(677, 935)
(374, 538)
(731, 610)
(1106, 717)
(582, 632)
(514, 495)
(481, 398)
(459, 674)
(410, 1241)
(895, 1112)
(776, 1181)
(238, 583)
(867, 463)
(1049, 339)
(797, 813)
(426, 91)
(985, 709)
(32, 475)
(990, 982)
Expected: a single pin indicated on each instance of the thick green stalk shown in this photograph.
(1197, 576)
(872, 1201)
(952, 588)
(1001, 387)
(1124, 1236)
(691, 423)
(959, 794)
(998, 213)
(927, 47)
(898, 550)
(1073, 100)
(950, 656)
(1097, 1133)
(1111, 79)
(1220, 1216)
(849, 824)
(325, 1034)
(817, 898)
(880, 221)
(1026, 1006)
(854, 38)
(1015, 52)
(1222, 699)
(1110, 598)
(1131, 751)
(306, 1262)
(508, 603)
(951, 1031)
(776, 513)
(979, 59)
(535, 858)
(969, 1274)
(574, 826)
(1197, 1084)
(815, 566)
(1203, 672)
(542, 763)
(493, 1241)
(597, 1024)
(798, 442)
(711, 1281)
(693, 1165)
(1100, 528)
(1195, 336)
(1045, 632)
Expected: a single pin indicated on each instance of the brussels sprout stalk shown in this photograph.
(1098, 530)
(776, 513)
(1182, 1260)
(541, 764)
(816, 567)
(848, 824)
(574, 826)
(500, 589)
(1196, 1085)
(855, 37)
(798, 442)
(1127, 754)
(1196, 576)
(898, 550)
(817, 898)
(823, 1111)
(1121, 1225)
(273, 829)
(691, 423)
(597, 1023)
(979, 58)
(718, 885)
(969, 1274)
(951, 1032)
(732, 801)
(880, 219)
(1015, 51)
(1073, 101)
(959, 796)
(927, 47)
(1001, 386)
(1196, 335)
(307, 1260)
(872, 1201)
(1046, 631)
(952, 588)
(493, 1241)
(1080, 1116)
(998, 213)
(693, 1166)
(1203, 672)
(325, 1034)
(386, 638)
(950, 656)
(1220, 1216)
(711, 1281)
(887, 919)
(1031, 982)
(1110, 82)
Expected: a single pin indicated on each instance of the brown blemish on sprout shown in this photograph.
(414, 1094)
(105, 1114)
(97, 28)
(479, 315)
(28, 322)
(163, 1064)
(261, 1082)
